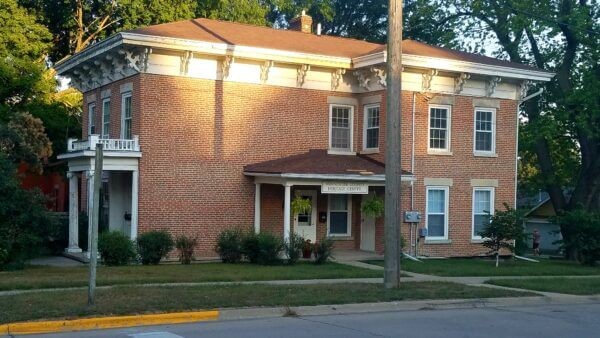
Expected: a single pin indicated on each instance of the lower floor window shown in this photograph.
(483, 207)
(437, 212)
(339, 215)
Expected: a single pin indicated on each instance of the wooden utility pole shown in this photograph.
(393, 171)
(94, 214)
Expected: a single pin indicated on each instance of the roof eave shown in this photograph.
(89, 52)
(334, 177)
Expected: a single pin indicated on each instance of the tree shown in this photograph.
(560, 36)
(504, 229)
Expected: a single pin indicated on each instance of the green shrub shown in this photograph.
(323, 250)
(293, 248)
(505, 227)
(250, 246)
(186, 246)
(270, 248)
(115, 248)
(229, 245)
(581, 235)
(154, 246)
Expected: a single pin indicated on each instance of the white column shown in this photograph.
(134, 203)
(90, 200)
(287, 206)
(257, 208)
(73, 213)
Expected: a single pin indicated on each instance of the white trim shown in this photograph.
(446, 190)
(366, 108)
(448, 149)
(107, 134)
(91, 117)
(484, 153)
(257, 207)
(492, 200)
(313, 211)
(123, 97)
(350, 126)
(377, 179)
(349, 220)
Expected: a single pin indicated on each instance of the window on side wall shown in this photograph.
(340, 128)
(371, 127)
(126, 116)
(483, 207)
(339, 215)
(439, 129)
(106, 118)
(485, 131)
(91, 119)
(437, 213)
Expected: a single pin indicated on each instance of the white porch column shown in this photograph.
(134, 203)
(73, 213)
(90, 201)
(257, 208)
(287, 206)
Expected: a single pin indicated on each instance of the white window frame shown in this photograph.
(349, 226)
(91, 117)
(105, 133)
(492, 191)
(484, 152)
(123, 97)
(365, 126)
(351, 117)
(448, 148)
(446, 190)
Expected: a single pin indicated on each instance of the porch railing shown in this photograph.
(109, 144)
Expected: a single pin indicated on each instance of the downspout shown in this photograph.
(413, 241)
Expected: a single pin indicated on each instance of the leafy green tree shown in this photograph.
(504, 229)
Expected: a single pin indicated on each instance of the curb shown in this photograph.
(107, 322)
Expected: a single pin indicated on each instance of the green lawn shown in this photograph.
(482, 267)
(574, 286)
(53, 277)
(135, 300)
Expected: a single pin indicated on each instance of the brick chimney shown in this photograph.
(302, 23)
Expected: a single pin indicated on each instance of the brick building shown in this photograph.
(209, 125)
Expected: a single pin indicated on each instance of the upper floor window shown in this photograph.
(485, 131)
(106, 118)
(439, 128)
(126, 116)
(437, 212)
(483, 207)
(91, 119)
(340, 133)
(371, 127)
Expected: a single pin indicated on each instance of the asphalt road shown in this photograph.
(532, 322)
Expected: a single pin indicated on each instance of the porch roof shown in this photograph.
(320, 162)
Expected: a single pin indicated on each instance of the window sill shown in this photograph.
(438, 241)
(370, 151)
(440, 152)
(340, 152)
(477, 240)
(341, 237)
(483, 154)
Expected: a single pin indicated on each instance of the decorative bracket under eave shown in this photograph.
(364, 77)
(524, 88)
(491, 84)
(184, 66)
(459, 82)
(428, 79)
(264, 70)
(336, 76)
(381, 74)
(301, 74)
(226, 66)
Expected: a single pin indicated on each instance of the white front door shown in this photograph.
(305, 225)
(367, 231)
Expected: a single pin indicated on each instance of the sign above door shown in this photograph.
(344, 188)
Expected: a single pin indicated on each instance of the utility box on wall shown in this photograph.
(412, 216)
(423, 232)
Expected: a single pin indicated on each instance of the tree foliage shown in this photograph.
(505, 227)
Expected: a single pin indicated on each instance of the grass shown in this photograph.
(122, 300)
(54, 277)
(461, 267)
(574, 286)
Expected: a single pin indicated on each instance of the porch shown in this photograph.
(335, 185)
(118, 207)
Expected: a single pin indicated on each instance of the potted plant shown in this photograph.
(301, 205)
(307, 249)
(373, 207)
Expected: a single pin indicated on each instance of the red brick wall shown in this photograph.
(196, 135)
